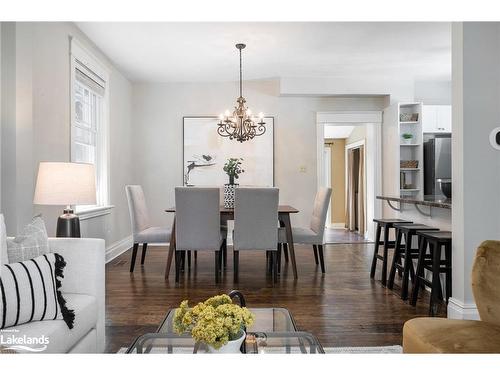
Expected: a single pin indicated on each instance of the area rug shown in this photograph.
(394, 349)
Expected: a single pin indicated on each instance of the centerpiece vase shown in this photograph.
(229, 193)
(232, 346)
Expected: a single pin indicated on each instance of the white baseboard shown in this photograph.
(459, 310)
(118, 248)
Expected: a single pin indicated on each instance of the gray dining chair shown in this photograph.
(255, 218)
(142, 230)
(197, 225)
(314, 235)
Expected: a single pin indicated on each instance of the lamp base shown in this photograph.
(68, 224)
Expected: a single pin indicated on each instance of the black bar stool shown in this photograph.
(406, 253)
(387, 224)
(434, 263)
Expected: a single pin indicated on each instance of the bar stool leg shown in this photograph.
(406, 267)
(375, 251)
(395, 259)
(436, 258)
(386, 253)
(419, 272)
(448, 272)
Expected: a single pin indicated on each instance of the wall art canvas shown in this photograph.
(205, 153)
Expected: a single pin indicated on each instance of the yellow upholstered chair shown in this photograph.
(439, 335)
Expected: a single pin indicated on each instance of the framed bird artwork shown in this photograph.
(205, 152)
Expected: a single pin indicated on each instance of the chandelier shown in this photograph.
(241, 125)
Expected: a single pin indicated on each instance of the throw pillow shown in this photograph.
(30, 291)
(3, 242)
(31, 243)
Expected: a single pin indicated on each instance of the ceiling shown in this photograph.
(192, 52)
(337, 132)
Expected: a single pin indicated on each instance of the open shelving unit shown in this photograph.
(400, 181)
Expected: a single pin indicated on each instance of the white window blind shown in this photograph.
(89, 119)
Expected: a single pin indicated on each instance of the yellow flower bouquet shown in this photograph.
(215, 322)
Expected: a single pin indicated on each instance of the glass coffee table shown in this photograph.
(274, 331)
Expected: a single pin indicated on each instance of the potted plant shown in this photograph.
(233, 170)
(217, 322)
(407, 138)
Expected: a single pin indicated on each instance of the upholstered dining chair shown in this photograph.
(314, 235)
(440, 335)
(197, 225)
(142, 230)
(255, 218)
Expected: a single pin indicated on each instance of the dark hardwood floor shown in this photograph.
(344, 307)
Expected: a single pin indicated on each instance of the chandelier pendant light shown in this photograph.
(241, 125)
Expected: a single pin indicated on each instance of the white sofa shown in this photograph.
(83, 288)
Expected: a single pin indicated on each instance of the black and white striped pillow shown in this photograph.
(29, 291)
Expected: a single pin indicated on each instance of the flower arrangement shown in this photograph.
(215, 322)
(233, 169)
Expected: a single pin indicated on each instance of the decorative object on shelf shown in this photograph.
(409, 164)
(407, 138)
(66, 184)
(233, 170)
(217, 322)
(445, 186)
(241, 125)
(408, 117)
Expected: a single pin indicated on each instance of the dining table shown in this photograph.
(284, 212)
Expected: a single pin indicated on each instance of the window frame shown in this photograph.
(79, 55)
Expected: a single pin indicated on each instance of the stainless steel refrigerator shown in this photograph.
(437, 161)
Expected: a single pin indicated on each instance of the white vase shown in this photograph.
(407, 141)
(232, 347)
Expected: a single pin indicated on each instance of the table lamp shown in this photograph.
(65, 184)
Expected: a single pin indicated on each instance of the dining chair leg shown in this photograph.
(195, 255)
(225, 253)
(321, 258)
(171, 251)
(236, 261)
(143, 257)
(315, 249)
(177, 265)
(189, 260)
(279, 258)
(134, 255)
(285, 251)
(269, 262)
(217, 266)
(275, 266)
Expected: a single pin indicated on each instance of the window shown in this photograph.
(89, 119)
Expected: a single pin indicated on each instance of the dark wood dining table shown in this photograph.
(284, 212)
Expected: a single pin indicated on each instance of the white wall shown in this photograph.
(433, 92)
(157, 130)
(476, 94)
(358, 134)
(38, 63)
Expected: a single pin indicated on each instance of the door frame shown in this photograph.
(352, 146)
(373, 155)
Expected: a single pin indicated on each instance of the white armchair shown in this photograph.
(83, 288)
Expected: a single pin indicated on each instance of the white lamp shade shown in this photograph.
(65, 184)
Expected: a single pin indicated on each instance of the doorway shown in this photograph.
(355, 205)
(355, 136)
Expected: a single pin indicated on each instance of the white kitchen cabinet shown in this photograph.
(436, 118)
